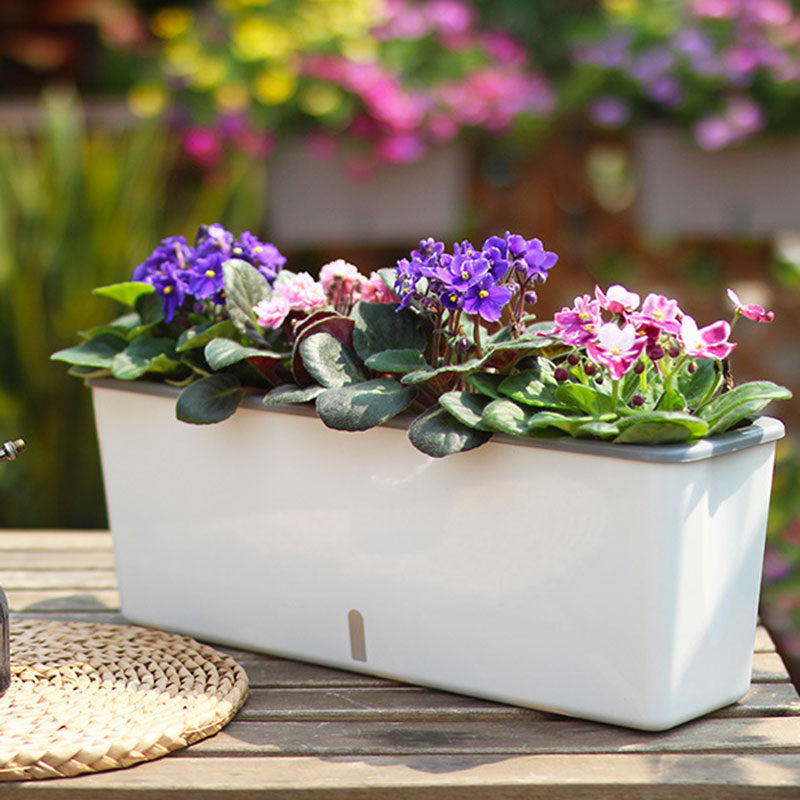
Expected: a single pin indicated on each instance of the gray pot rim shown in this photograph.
(763, 430)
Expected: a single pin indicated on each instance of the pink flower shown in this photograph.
(271, 313)
(616, 299)
(339, 271)
(660, 312)
(401, 148)
(753, 312)
(375, 290)
(302, 292)
(203, 146)
(578, 325)
(616, 348)
(709, 342)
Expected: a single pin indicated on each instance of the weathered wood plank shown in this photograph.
(543, 777)
(412, 703)
(56, 559)
(62, 600)
(517, 737)
(769, 667)
(80, 615)
(58, 579)
(55, 540)
(763, 642)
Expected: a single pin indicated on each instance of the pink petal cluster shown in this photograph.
(578, 325)
(753, 312)
(271, 313)
(302, 292)
(617, 349)
(659, 313)
(374, 290)
(709, 342)
(340, 271)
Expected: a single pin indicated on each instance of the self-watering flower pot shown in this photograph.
(612, 582)
(313, 201)
(740, 192)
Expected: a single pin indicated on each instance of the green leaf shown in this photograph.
(388, 276)
(209, 400)
(201, 335)
(466, 407)
(145, 354)
(585, 399)
(150, 308)
(245, 286)
(507, 417)
(97, 352)
(329, 362)
(126, 293)
(564, 422)
(597, 430)
(397, 361)
(534, 387)
(532, 339)
(661, 427)
(694, 386)
(380, 327)
(671, 400)
(423, 375)
(486, 383)
(329, 322)
(359, 406)
(289, 393)
(725, 411)
(84, 373)
(437, 433)
(221, 353)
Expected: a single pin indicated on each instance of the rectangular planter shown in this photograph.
(312, 201)
(613, 582)
(739, 193)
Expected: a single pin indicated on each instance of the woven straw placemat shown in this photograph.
(86, 697)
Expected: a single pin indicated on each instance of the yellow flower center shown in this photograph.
(210, 273)
(167, 290)
(257, 249)
(237, 251)
(483, 293)
(464, 275)
(453, 298)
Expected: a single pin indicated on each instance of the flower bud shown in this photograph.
(573, 359)
(638, 367)
(531, 297)
(692, 367)
(674, 352)
(589, 368)
(637, 400)
(561, 375)
(655, 351)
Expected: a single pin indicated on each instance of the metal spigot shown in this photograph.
(11, 449)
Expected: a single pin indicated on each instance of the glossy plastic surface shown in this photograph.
(598, 587)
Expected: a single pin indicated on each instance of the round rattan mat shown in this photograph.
(86, 697)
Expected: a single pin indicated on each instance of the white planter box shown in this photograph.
(741, 193)
(312, 201)
(621, 588)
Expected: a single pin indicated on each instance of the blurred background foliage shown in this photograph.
(124, 121)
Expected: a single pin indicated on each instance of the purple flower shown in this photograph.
(609, 112)
(486, 298)
(463, 268)
(173, 250)
(265, 257)
(528, 256)
(169, 283)
(713, 133)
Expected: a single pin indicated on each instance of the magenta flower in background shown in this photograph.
(616, 299)
(753, 312)
(203, 146)
(271, 313)
(709, 342)
(616, 348)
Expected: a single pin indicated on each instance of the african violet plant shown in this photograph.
(446, 338)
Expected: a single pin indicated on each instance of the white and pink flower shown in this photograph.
(579, 324)
(753, 312)
(659, 312)
(709, 342)
(617, 299)
(375, 290)
(617, 349)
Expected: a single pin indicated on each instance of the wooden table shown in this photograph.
(311, 732)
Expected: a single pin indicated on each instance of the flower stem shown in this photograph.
(615, 391)
(477, 330)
